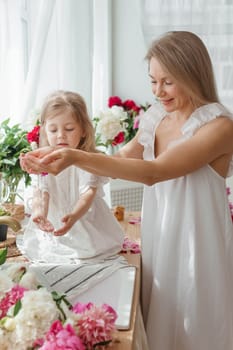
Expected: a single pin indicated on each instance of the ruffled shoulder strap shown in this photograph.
(148, 123)
(203, 115)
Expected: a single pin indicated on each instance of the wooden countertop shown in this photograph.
(124, 338)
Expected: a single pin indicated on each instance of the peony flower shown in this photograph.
(96, 325)
(110, 123)
(119, 123)
(114, 101)
(39, 319)
(29, 280)
(61, 337)
(131, 105)
(34, 135)
(11, 298)
(130, 246)
(37, 313)
(118, 139)
(79, 308)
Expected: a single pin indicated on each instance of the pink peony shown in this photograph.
(61, 337)
(96, 325)
(79, 308)
(15, 294)
(130, 246)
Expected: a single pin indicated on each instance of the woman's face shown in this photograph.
(165, 88)
(63, 130)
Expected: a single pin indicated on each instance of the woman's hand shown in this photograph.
(26, 159)
(47, 159)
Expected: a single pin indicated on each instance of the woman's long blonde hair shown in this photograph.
(60, 101)
(185, 57)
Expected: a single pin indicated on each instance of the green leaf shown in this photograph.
(13, 142)
(17, 307)
(3, 255)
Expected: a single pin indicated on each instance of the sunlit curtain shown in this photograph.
(38, 44)
(65, 41)
(12, 64)
(58, 38)
(212, 20)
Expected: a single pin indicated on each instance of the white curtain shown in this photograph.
(212, 20)
(30, 87)
(63, 35)
(58, 37)
(12, 64)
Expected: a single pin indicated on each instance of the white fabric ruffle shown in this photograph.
(202, 115)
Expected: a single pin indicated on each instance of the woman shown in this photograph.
(183, 154)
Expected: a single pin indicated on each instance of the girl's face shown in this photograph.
(63, 130)
(164, 87)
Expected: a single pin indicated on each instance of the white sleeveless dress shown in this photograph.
(187, 250)
(97, 233)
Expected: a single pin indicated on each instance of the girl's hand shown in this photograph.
(43, 223)
(68, 221)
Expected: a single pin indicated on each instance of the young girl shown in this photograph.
(70, 219)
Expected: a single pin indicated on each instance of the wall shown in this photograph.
(129, 75)
(129, 70)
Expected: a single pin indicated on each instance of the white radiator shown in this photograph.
(126, 193)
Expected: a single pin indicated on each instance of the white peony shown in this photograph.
(111, 122)
(38, 312)
(29, 280)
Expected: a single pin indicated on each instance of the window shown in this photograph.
(212, 20)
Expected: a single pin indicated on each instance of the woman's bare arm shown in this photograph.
(211, 142)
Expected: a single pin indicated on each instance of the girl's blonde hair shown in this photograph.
(184, 56)
(61, 101)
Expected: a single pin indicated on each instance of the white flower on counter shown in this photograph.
(34, 319)
(40, 319)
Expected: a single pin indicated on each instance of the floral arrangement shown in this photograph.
(12, 143)
(118, 123)
(33, 318)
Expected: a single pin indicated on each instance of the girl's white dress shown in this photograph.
(187, 250)
(97, 233)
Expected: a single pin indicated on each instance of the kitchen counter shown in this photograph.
(134, 337)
